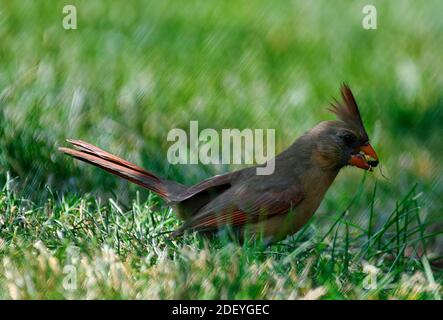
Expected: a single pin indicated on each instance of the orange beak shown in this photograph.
(366, 158)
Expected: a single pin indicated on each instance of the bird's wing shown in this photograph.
(237, 207)
(212, 185)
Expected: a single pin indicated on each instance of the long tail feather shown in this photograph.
(122, 168)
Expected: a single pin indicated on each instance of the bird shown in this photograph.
(269, 207)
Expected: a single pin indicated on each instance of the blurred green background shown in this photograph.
(134, 70)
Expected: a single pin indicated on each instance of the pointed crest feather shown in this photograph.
(347, 110)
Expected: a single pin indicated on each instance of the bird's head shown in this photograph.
(344, 141)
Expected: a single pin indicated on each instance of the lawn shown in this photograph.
(132, 71)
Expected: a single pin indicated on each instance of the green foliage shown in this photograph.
(125, 254)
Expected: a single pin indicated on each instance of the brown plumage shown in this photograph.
(348, 111)
(270, 206)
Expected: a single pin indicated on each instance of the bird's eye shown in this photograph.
(349, 139)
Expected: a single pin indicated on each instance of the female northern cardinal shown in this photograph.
(272, 206)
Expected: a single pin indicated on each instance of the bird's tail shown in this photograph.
(168, 190)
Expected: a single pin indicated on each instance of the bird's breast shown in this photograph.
(314, 186)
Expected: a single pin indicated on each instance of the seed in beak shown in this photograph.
(369, 154)
(373, 163)
(369, 159)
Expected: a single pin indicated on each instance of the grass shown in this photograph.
(130, 73)
(79, 248)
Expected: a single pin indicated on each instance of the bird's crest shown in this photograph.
(347, 110)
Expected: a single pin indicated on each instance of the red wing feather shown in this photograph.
(242, 207)
(232, 218)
